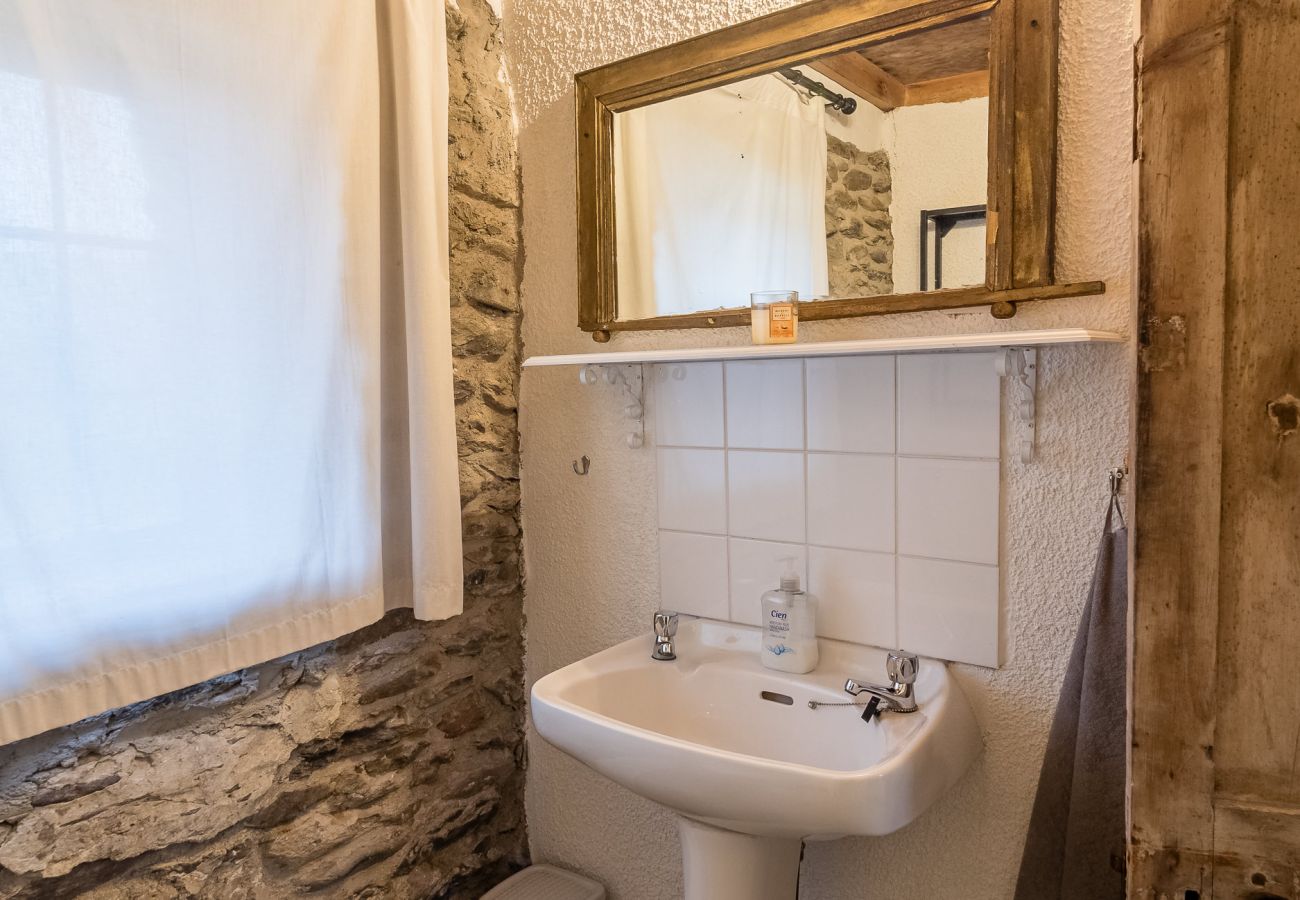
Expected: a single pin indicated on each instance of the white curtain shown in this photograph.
(226, 417)
(719, 194)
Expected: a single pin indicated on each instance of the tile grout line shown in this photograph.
(897, 428)
(876, 454)
(815, 546)
(726, 489)
(1002, 606)
(807, 551)
(659, 480)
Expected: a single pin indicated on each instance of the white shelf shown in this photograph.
(1040, 338)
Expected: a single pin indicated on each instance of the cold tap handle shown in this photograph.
(665, 624)
(902, 667)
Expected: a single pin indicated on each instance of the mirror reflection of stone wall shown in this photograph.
(859, 230)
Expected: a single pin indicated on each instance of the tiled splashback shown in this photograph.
(878, 475)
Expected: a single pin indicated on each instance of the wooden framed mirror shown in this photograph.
(803, 149)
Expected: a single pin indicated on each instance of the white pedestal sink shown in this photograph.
(736, 751)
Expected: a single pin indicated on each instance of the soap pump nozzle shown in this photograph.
(790, 578)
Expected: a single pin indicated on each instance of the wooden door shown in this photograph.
(1215, 710)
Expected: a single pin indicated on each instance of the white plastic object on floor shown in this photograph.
(543, 882)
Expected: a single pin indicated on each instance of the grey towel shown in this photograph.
(1075, 846)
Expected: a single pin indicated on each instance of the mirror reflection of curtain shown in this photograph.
(198, 338)
(718, 194)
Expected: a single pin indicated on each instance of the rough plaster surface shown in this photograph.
(385, 764)
(939, 153)
(591, 564)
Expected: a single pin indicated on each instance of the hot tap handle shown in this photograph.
(665, 624)
(902, 667)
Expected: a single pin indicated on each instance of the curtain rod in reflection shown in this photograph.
(844, 104)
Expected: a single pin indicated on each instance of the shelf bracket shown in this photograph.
(631, 377)
(1020, 366)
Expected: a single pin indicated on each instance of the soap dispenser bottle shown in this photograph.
(789, 626)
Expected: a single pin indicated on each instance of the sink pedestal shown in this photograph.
(726, 865)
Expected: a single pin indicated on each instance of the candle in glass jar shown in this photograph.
(774, 317)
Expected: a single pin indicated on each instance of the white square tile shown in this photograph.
(765, 404)
(851, 501)
(766, 495)
(693, 574)
(948, 509)
(855, 595)
(756, 568)
(692, 490)
(851, 404)
(949, 405)
(949, 610)
(688, 404)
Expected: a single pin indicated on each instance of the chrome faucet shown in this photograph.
(665, 631)
(896, 696)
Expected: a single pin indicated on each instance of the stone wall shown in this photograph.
(859, 234)
(388, 763)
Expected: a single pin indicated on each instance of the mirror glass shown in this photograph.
(852, 175)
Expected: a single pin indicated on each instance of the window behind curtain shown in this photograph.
(189, 342)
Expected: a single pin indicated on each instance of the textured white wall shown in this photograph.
(865, 128)
(589, 542)
(938, 157)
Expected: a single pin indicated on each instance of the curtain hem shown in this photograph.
(439, 601)
(62, 704)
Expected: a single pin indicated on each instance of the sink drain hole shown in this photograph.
(783, 699)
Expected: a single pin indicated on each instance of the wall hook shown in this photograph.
(1117, 476)
(582, 466)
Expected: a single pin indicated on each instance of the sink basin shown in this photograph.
(735, 749)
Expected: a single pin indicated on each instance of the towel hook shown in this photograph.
(1117, 476)
(585, 466)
